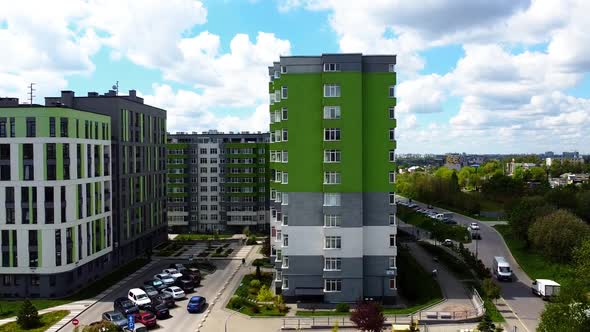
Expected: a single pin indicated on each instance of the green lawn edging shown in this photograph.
(47, 320)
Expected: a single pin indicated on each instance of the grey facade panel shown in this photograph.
(376, 277)
(376, 209)
(304, 209)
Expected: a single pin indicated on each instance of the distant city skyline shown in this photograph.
(502, 77)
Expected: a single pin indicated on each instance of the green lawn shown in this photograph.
(386, 311)
(9, 308)
(535, 265)
(263, 311)
(191, 237)
(47, 320)
(491, 309)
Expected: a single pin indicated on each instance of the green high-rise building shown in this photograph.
(332, 144)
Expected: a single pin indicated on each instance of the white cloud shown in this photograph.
(422, 95)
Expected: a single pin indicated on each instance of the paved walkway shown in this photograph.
(78, 307)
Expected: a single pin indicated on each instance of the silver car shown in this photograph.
(115, 317)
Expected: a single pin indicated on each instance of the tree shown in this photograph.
(524, 212)
(246, 231)
(266, 247)
(368, 316)
(264, 294)
(258, 263)
(490, 289)
(486, 324)
(583, 205)
(556, 234)
(28, 316)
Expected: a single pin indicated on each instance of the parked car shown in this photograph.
(447, 242)
(175, 292)
(449, 222)
(474, 226)
(167, 299)
(156, 283)
(193, 271)
(158, 309)
(138, 296)
(164, 278)
(173, 273)
(195, 278)
(429, 206)
(196, 304)
(146, 318)
(139, 327)
(115, 317)
(125, 306)
(185, 283)
(149, 290)
(178, 266)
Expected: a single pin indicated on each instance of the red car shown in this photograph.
(146, 318)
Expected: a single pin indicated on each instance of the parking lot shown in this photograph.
(180, 319)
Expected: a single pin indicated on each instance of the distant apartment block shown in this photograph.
(332, 160)
(218, 181)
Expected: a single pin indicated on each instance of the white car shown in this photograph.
(175, 292)
(165, 278)
(474, 226)
(447, 243)
(173, 273)
(139, 297)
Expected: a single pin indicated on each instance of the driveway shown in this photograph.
(518, 305)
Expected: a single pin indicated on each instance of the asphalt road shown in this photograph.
(520, 304)
(180, 319)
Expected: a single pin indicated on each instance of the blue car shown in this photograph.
(196, 304)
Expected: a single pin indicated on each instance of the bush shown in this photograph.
(28, 316)
(264, 294)
(236, 302)
(251, 240)
(255, 283)
(219, 250)
(255, 309)
(342, 307)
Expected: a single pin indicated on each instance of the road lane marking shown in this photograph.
(515, 315)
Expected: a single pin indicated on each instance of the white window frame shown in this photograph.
(285, 264)
(334, 134)
(332, 264)
(392, 177)
(391, 156)
(332, 90)
(283, 69)
(284, 92)
(332, 112)
(391, 111)
(391, 198)
(285, 178)
(285, 200)
(391, 92)
(284, 113)
(332, 242)
(332, 199)
(285, 135)
(285, 240)
(392, 262)
(332, 177)
(285, 221)
(391, 68)
(391, 134)
(285, 156)
(392, 220)
(285, 284)
(335, 285)
(332, 220)
(331, 67)
(392, 236)
(277, 74)
(394, 283)
(332, 156)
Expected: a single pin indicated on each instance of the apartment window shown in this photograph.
(213, 151)
(285, 284)
(392, 283)
(285, 135)
(391, 134)
(203, 189)
(204, 198)
(203, 151)
(331, 134)
(203, 160)
(391, 113)
(392, 67)
(331, 67)
(63, 128)
(331, 112)
(285, 200)
(331, 90)
(392, 263)
(284, 92)
(332, 285)
(391, 198)
(203, 207)
(392, 220)
(12, 127)
(284, 113)
(203, 169)
(213, 198)
(332, 264)
(285, 264)
(31, 127)
(285, 178)
(51, 127)
(285, 220)
(331, 156)
(213, 160)
(283, 70)
(391, 155)
(332, 178)
(2, 127)
(391, 177)
(331, 199)
(279, 256)
(333, 242)
(392, 240)
(392, 91)
(286, 240)
(285, 155)
(332, 220)
(277, 74)
(203, 179)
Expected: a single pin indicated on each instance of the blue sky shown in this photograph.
(508, 76)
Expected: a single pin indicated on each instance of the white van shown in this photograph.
(139, 297)
(502, 270)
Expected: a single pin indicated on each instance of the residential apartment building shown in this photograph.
(332, 160)
(218, 181)
(56, 205)
(138, 140)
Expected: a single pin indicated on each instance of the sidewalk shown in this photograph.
(78, 307)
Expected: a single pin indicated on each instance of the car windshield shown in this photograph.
(148, 316)
(116, 316)
(157, 283)
(141, 296)
(197, 300)
(126, 304)
(504, 269)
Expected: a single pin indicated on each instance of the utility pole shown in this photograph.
(116, 88)
(31, 95)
